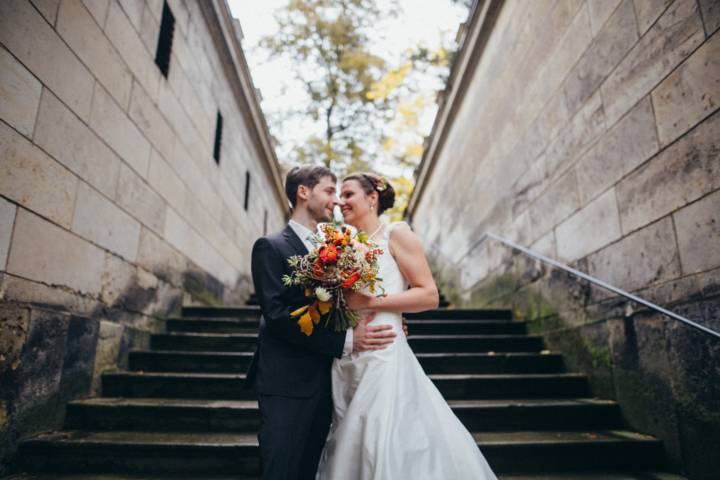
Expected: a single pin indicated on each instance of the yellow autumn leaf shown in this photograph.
(324, 307)
(314, 314)
(306, 324)
(299, 311)
(414, 150)
(388, 144)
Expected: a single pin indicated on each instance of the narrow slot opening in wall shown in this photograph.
(265, 223)
(247, 190)
(218, 137)
(164, 46)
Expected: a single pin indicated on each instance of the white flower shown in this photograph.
(322, 294)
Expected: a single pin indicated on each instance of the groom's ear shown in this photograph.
(302, 192)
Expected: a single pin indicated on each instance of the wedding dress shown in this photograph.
(389, 420)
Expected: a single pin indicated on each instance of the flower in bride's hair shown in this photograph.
(322, 294)
(381, 184)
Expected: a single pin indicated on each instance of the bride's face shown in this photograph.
(354, 203)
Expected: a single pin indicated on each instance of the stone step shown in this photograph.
(466, 327)
(248, 312)
(232, 453)
(558, 451)
(235, 342)
(437, 314)
(452, 386)
(189, 361)
(416, 327)
(462, 314)
(238, 362)
(485, 363)
(596, 476)
(212, 325)
(475, 343)
(162, 414)
(219, 342)
(548, 476)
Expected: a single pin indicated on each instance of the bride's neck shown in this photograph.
(368, 224)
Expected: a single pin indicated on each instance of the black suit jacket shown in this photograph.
(287, 362)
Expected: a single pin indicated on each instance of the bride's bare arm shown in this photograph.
(422, 293)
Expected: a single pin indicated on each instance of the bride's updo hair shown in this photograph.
(370, 182)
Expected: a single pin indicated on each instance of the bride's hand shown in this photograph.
(357, 300)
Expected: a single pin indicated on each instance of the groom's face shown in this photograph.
(321, 200)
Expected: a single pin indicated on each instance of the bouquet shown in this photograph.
(340, 261)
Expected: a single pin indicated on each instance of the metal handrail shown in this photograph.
(595, 281)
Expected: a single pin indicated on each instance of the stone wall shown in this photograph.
(113, 210)
(592, 132)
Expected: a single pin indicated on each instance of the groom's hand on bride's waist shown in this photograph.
(372, 337)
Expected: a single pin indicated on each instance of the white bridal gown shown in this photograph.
(390, 421)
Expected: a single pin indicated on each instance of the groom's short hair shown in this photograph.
(308, 175)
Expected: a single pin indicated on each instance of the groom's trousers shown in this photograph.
(292, 434)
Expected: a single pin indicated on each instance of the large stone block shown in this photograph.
(98, 9)
(58, 296)
(681, 173)
(559, 201)
(183, 237)
(600, 12)
(158, 257)
(646, 257)
(46, 253)
(114, 126)
(648, 11)
(79, 357)
(102, 222)
(117, 279)
(40, 369)
(149, 119)
(14, 321)
(166, 182)
(25, 33)
(128, 43)
(672, 38)
(690, 93)
(79, 29)
(48, 9)
(582, 131)
(19, 94)
(698, 234)
(60, 133)
(197, 111)
(172, 110)
(31, 178)
(7, 220)
(107, 351)
(134, 11)
(611, 44)
(138, 198)
(593, 227)
(628, 144)
(711, 15)
(150, 28)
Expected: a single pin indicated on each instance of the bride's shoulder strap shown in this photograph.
(392, 226)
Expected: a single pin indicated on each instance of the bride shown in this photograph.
(389, 420)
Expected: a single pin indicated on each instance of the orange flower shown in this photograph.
(328, 254)
(350, 281)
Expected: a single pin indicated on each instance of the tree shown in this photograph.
(328, 42)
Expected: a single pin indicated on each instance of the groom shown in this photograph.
(291, 371)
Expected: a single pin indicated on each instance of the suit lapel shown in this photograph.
(294, 241)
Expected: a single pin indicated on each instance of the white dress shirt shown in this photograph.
(305, 234)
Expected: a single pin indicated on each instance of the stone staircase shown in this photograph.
(181, 411)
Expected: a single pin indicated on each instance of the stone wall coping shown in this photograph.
(224, 29)
(474, 35)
